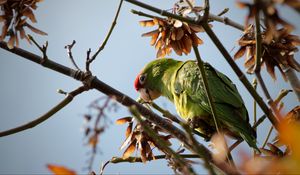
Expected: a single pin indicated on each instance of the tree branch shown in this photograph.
(69, 51)
(70, 96)
(170, 116)
(138, 159)
(206, 87)
(108, 34)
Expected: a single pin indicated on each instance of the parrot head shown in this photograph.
(150, 81)
(142, 84)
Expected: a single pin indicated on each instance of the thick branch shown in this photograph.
(138, 159)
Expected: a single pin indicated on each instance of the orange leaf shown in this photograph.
(128, 130)
(11, 41)
(4, 32)
(154, 38)
(93, 140)
(196, 28)
(179, 34)
(28, 12)
(187, 43)
(147, 23)
(158, 43)
(196, 40)
(59, 170)
(151, 33)
(123, 120)
(129, 150)
(160, 53)
(2, 18)
(177, 47)
(35, 30)
(240, 53)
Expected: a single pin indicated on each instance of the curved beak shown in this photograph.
(148, 95)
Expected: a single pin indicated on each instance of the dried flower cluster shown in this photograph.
(14, 16)
(172, 34)
(277, 53)
(138, 139)
(270, 15)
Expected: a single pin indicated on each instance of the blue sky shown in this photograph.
(29, 90)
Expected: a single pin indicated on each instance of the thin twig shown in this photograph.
(70, 55)
(255, 125)
(103, 167)
(87, 62)
(268, 136)
(202, 71)
(165, 113)
(211, 17)
(254, 83)
(172, 117)
(223, 11)
(43, 49)
(206, 87)
(108, 34)
(69, 97)
(280, 96)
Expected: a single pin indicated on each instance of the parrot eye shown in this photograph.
(142, 79)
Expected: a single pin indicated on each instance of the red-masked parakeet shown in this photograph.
(181, 83)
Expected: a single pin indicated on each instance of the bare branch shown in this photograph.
(138, 159)
(211, 17)
(43, 49)
(172, 117)
(69, 97)
(88, 62)
(70, 55)
(268, 136)
(109, 33)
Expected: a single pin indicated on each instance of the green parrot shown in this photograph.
(181, 83)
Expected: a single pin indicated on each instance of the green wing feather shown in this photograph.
(230, 108)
